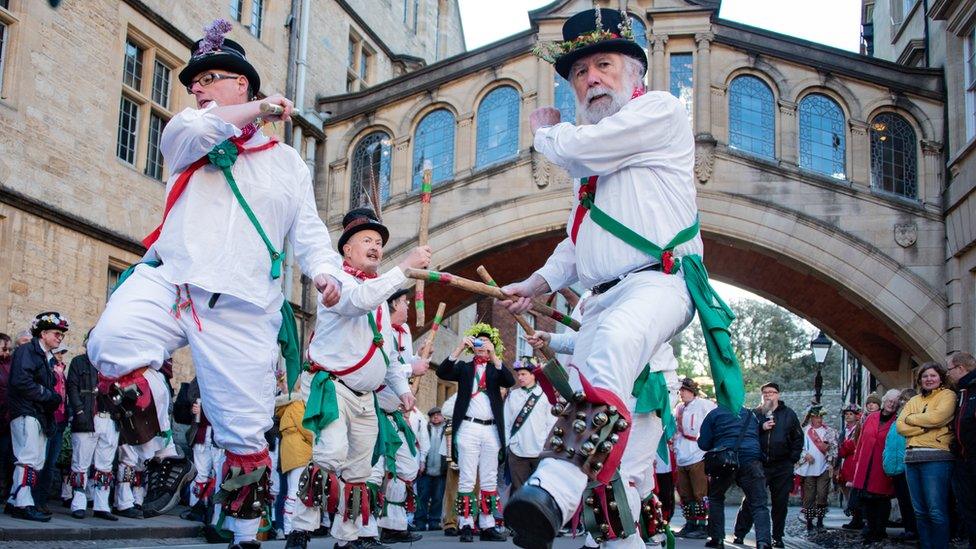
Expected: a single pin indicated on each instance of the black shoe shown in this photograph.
(451, 532)
(30, 513)
(105, 515)
(492, 534)
(253, 544)
(398, 536)
(368, 543)
(321, 532)
(820, 525)
(534, 517)
(466, 535)
(78, 514)
(8, 509)
(297, 539)
(716, 543)
(131, 513)
(853, 525)
(166, 478)
(66, 503)
(809, 525)
(778, 544)
(197, 513)
(43, 508)
(738, 540)
(213, 535)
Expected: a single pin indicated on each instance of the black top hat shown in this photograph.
(361, 219)
(583, 35)
(397, 295)
(50, 320)
(213, 51)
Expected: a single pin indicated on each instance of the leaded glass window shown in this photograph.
(565, 98)
(894, 160)
(236, 9)
(822, 136)
(154, 157)
(498, 126)
(132, 68)
(640, 31)
(682, 75)
(160, 88)
(434, 141)
(752, 118)
(257, 14)
(128, 130)
(371, 170)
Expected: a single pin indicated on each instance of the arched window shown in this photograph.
(434, 141)
(894, 161)
(565, 99)
(822, 136)
(371, 170)
(498, 126)
(752, 118)
(640, 31)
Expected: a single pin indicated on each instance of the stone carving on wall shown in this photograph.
(704, 157)
(906, 234)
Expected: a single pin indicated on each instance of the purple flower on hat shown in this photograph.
(213, 37)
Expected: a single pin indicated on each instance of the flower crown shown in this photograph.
(483, 328)
(213, 37)
(552, 51)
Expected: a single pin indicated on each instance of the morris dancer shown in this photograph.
(206, 455)
(478, 420)
(527, 423)
(635, 217)
(233, 198)
(692, 480)
(349, 357)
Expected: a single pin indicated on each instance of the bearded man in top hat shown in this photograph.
(210, 280)
(634, 217)
(350, 359)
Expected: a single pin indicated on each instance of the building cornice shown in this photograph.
(160, 22)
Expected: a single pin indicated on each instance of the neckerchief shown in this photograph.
(400, 330)
(483, 380)
(529, 389)
(817, 441)
(356, 273)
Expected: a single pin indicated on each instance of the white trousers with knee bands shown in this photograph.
(30, 450)
(477, 449)
(206, 457)
(95, 448)
(407, 468)
(623, 329)
(127, 495)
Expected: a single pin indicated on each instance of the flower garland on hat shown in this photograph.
(485, 329)
(551, 51)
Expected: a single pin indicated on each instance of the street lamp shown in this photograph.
(820, 345)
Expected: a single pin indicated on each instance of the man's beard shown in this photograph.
(610, 104)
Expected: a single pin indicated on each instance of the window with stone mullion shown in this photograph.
(370, 166)
(434, 141)
(132, 67)
(128, 134)
(970, 79)
(894, 158)
(257, 15)
(752, 118)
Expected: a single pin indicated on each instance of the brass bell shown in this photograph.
(579, 425)
(570, 453)
(256, 506)
(558, 409)
(614, 438)
(604, 528)
(558, 431)
(587, 448)
(600, 419)
(590, 501)
(597, 466)
(612, 410)
(579, 397)
(604, 447)
(581, 415)
(621, 425)
(594, 438)
(647, 509)
(556, 443)
(612, 505)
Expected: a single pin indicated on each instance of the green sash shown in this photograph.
(651, 391)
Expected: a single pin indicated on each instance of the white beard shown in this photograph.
(610, 104)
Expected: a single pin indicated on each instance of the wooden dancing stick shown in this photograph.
(428, 348)
(422, 237)
(481, 288)
(529, 330)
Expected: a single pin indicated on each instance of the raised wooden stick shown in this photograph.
(529, 330)
(481, 288)
(428, 348)
(425, 188)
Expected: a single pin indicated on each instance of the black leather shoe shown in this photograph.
(30, 513)
(78, 514)
(715, 543)
(492, 534)
(398, 536)
(853, 525)
(778, 544)
(297, 539)
(738, 540)
(166, 478)
(466, 535)
(43, 508)
(451, 532)
(368, 543)
(105, 515)
(8, 509)
(534, 517)
(131, 513)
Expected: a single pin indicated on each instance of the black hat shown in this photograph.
(770, 385)
(213, 51)
(689, 384)
(587, 33)
(397, 295)
(49, 320)
(361, 219)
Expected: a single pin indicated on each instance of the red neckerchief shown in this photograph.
(817, 441)
(356, 273)
(400, 330)
(483, 380)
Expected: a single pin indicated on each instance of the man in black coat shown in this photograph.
(479, 426)
(32, 401)
(94, 439)
(781, 440)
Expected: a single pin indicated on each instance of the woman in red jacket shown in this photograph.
(876, 487)
(847, 461)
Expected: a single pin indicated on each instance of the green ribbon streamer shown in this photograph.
(559, 379)
(651, 391)
(401, 425)
(387, 440)
(321, 408)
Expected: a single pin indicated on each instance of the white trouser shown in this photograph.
(477, 449)
(623, 329)
(96, 448)
(206, 456)
(407, 468)
(294, 476)
(30, 449)
(345, 447)
(127, 495)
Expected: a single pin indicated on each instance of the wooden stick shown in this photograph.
(425, 188)
(428, 348)
(529, 330)
(481, 288)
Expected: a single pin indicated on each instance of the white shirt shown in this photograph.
(819, 464)
(480, 406)
(343, 335)
(418, 424)
(388, 398)
(644, 156)
(531, 437)
(207, 239)
(690, 417)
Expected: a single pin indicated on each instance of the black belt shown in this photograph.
(605, 287)
(355, 392)
(479, 421)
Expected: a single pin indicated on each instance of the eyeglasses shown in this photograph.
(209, 78)
(57, 333)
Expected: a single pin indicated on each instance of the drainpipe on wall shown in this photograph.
(302, 61)
(925, 22)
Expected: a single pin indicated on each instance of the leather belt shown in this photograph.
(355, 392)
(606, 286)
(103, 414)
(479, 421)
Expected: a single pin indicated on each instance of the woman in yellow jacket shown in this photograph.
(925, 423)
(296, 447)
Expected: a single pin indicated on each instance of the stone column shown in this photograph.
(659, 72)
(338, 195)
(930, 174)
(859, 167)
(464, 145)
(703, 83)
(401, 175)
(787, 145)
(529, 103)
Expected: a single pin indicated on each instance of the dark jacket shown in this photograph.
(4, 409)
(31, 390)
(82, 389)
(784, 442)
(965, 421)
(183, 412)
(495, 379)
(721, 429)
